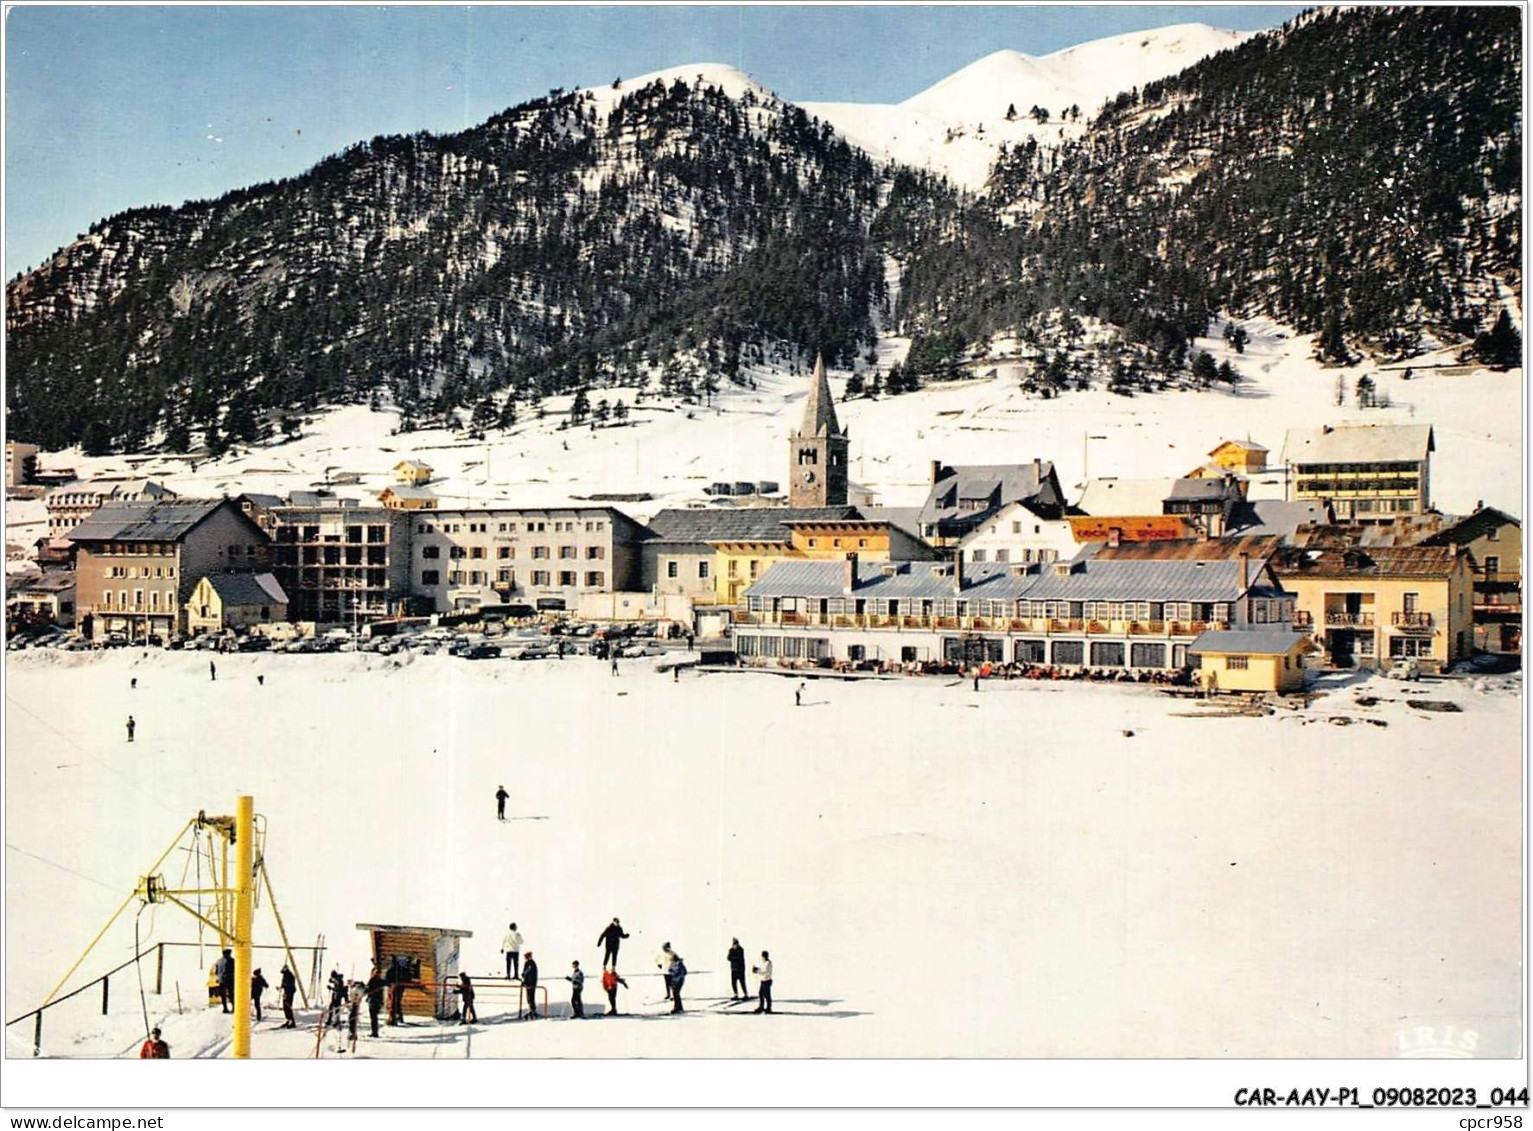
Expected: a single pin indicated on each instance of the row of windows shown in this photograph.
(508, 553)
(1027, 556)
(1374, 468)
(141, 571)
(562, 527)
(594, 579)
(673, 569)
(138, 600)
(835, 543)
(1217, 612)
(164, 549)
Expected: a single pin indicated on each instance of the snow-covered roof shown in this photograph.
(996, 484)
(1112, 496)
(1243, 445)
(1250, 641)
(1278, 517)
(1359, 443)
(247, 588)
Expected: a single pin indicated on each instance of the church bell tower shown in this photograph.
(817, 452)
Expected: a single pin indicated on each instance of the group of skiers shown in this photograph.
(287, 982)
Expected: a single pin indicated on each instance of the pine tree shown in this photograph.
(581, 407)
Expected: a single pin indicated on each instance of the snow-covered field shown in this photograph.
(936, 872)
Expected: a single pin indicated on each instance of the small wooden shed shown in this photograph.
(432, 953)
(1259, 658)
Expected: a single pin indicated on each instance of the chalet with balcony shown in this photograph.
(1369, 605)
(961, 498)
(137, 563)
(1365, 472)
(1127, 607)
(1494, 541)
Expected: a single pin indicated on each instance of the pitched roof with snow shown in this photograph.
(739, 524)
(143, 521)
(1112, 496)
(902, 581)
(1373, 561)
(247, 589)
(1359, 443)
(819, 407)
(993, 484)
(1276, 517)
(1250, 641)
(1243, 445)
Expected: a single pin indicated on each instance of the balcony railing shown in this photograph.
(1412, 620)
(1349, 620)
(909, 621)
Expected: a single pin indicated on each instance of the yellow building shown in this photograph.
(412, 473)
(1251, 659)
(407, 499)
(1370, 605)
(738, 564)
(1494, 541)
(1240, 456)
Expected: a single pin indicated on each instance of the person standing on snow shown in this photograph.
(353, 1012)
(764, 972)
(212, 671)
(663, 960)
(466, 991)
(337, 985)
(736, 958)
(375, 987)
(610, 981)
(500, 803)
(512, 946)
(258, 986)
(676, 976)
(154, 1048)
(798, 695)
(131, 727)
(224, 969)
(289, 986)
(611, 939)
(577, 980)
(530, 986)
(614, 661)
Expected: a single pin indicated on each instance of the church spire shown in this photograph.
(819, 408)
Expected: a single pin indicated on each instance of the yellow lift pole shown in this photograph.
(244, 843)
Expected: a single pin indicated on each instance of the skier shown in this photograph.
(530, 986)
(353, 1011)
(577, 981)
(131, 727)
(736, 958)
(976, 679)
(224, 968)
(133, 684)
(261, 679)
(466, 990)
(375, 988)
(500, 803)
(610, 981)
(154, 1048)
(611, 938)
(663, 960)
(676, 674)
(764, 972)
(337, 985)
(512, 946)
(289, 985)
(798, 695)
(258, 986)
(614, 662)
(374, 992)
(676, 976)
(212, 671)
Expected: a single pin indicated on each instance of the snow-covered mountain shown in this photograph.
(957, 126)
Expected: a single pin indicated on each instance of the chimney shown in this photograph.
(1037, 470)
(936, 471)
(958, 572)
(849, 574)
(1245, 572)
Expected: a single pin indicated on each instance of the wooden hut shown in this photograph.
(432, 955)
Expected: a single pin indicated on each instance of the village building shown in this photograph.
(959, 499)
(339, 562)
(137, 563)
(679, 552)
(1365, 472)
(738, 562)
(1017, 533)
(48, 598)
(401, 498)
(542, 558)
(1250, 659)
(70, 505)
(1124, 608)
(235, 601)
(1243, 457)
(412, 473)
(1494, 541)
(1137, 510)
(20, 463)
(1367, 606)
(817, 471)
(1278, 518)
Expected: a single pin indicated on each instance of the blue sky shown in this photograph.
(112, 108)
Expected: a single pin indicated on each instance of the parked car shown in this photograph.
(528, 650)
(1489, 663)
(642, 648)
(481, 652)
(253, 644)
(1404, 668)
